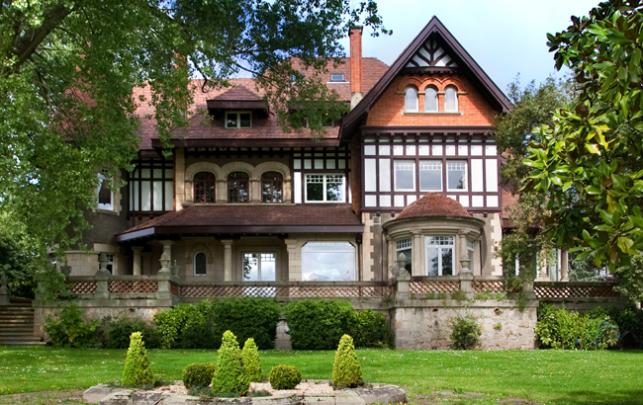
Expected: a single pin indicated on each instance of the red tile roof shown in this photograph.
(200, 126)
(249, 218)
(434, 205)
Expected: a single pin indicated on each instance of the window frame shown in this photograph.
(229, 200)
(414, 186)
(354, 258)
(455, 100)
(334, 80)
(440, 248)
(136, 180)
(400, 249)
(417, 99)
(103, 178)
(259, 253)
(238, 120)
(441, 177)
(466, 175)
(214, 188)
(205, 264)
(281, 186)
(324, 188)
(426, 92)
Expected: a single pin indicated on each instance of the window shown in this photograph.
(404, 246)
(456, 176)
(430, 175)
(151, 186)
(471, 250)
(450, 99)
(106, 260)
(439, 255)
(199, 264)
(328, 261)
(431, 99)
(104, 193)
(238, 187)
(238, 119)
(337, 77)
(404, 176)
(204, 186)
(410, 99)
(272, 187)
(259, 266)
(325, 188)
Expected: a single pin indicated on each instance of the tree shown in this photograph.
(586, 167)
(68, 67)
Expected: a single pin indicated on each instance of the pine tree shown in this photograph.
(346, 370)
(251, 360)
(229, 377)
(137, 370)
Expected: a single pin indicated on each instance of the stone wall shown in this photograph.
(424, 324)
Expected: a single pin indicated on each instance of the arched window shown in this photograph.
(410, 99)
(204, 186)
(199, 264)
(431, 99)
(450, 99)
(238, 191)
(272, 187)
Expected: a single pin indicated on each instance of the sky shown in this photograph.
(505, 37)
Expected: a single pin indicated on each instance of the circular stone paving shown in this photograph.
(308, 392)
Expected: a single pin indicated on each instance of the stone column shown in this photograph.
(294, 262)
(227, 259)
(102, 277)
(136, 260)
(417, 267)
(179, 178)
(254, 190)
(564, 265)
(221, 192)
(541, 267)
(166, 257)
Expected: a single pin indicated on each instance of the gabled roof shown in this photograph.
(423, 42)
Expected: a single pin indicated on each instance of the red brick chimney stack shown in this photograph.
(356, 65)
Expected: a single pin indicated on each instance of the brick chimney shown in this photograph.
(356, 65)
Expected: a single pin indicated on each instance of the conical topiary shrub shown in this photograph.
(251, 361)
(137, 370)
(229, 377)
(346, 370)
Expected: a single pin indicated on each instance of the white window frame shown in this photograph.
(106, 207)
(194, 264)
(238, 114)
(466, 175)
(426, 104)
(411, 162)
(440, 247)
(441, 174)
(455, 93)
(260, 253)
(324, 189)
(417, 100)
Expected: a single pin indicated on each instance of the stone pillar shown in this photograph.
(221, 192)
(136, 260)
(402, 279)
(227, 259)
(4, 293)
(294, 262)
(166, 257)
(254, 190)
(541, 267)
(564, 265)
(179, 178)
(417, 267)
(102, 277)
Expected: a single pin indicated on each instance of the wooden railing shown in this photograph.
(574, 290)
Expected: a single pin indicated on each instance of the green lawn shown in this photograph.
(560, 377)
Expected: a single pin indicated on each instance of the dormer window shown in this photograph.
(238, 119)
(337, 77)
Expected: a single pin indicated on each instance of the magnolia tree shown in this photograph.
(586, 166)
(67, 69)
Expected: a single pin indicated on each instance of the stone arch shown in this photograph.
(190, 252)
(244, 167)
(199, 167)
(278, 167)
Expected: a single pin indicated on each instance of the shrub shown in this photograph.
(317, 324)
(630, 324)
(247, 318)
(346, 369)
(465, 332)
(229, 377)
(70, 329)
(185, 326)
(198, 375)
(251, 361)
(137, 370)
(284, 377)
(116, 333)
(369, 328)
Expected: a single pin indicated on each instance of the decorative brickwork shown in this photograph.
(133, 286)
(495, 286)
(423, 286)
(573, 290)
(82, 287)
(290, 291)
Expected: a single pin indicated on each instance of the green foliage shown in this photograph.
(70, 329)
(284, 377)
(116, 333)
(630, 323)
(317, 324)
(137, 372)
(185, 326)
(560, 328)
(369, 328)
(465, 332)
(585, 168)
(198, 375)
(247, 318)
(459, 296)
(251, 360)
(229, 377)
(346, 370)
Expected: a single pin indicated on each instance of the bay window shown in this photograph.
(440, 253)
(404, 246)
(151, 186)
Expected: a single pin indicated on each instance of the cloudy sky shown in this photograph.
(505, 37)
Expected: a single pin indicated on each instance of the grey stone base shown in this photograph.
(374, 394)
